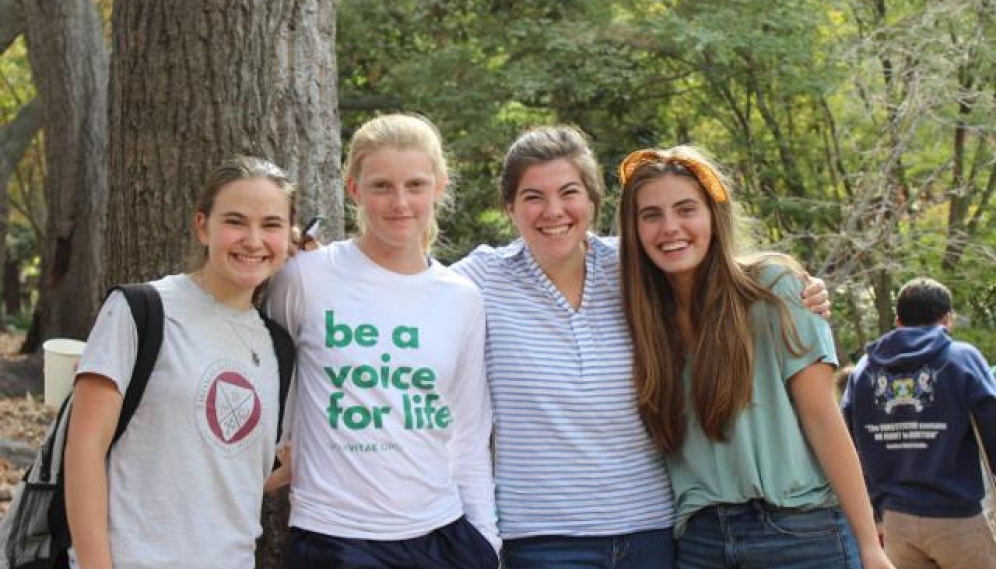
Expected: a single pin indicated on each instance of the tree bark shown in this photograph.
(11, 23)
(16, 136)
(69, 63)
(884, 306)
(193, 82)
(11, 286)
(196, 81)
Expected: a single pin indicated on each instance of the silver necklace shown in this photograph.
(198, 279)
(250, 345)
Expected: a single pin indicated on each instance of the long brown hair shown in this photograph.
(721, 346)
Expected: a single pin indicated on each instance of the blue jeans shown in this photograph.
(652, 549)
(757, 534)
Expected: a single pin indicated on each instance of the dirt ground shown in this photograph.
(24, 418)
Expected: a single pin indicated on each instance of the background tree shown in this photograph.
(189, 89)
(859, 131)
(69, 64)
(195, 81)
(15, 139)
(22, 168)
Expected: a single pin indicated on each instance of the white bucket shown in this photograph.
(62, 355)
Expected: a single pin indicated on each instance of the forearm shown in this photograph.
(470, 451)
(95, 412)
(470, 448)
(823, 426)
(86, 503)
(282, 476)
(829, 439)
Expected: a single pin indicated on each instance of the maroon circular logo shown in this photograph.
(232, 407)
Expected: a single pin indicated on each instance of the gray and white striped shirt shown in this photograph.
(572, 457)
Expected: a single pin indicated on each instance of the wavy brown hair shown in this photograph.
(721, 345)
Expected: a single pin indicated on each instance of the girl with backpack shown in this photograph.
(184, 484)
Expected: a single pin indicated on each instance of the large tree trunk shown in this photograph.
(11, 286)
(15, 137)
(69, 63)
(192, 82)
(11, 23)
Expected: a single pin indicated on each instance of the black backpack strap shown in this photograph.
(147, 309)
(283, 345)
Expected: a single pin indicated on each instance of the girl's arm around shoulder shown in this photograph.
(811, 291)
(812, 340)
(285, 292)
(812, 393)
(479, 263)
(95, 410)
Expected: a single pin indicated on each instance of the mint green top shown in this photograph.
(766, 455)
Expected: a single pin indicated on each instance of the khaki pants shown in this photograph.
(914, 542)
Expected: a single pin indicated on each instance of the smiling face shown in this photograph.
(674, 225)
(247, 236)
(396, 190)
(552, 211)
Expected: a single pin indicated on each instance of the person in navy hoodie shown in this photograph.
(909, 405)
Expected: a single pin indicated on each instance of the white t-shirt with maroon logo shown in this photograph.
(186, 478)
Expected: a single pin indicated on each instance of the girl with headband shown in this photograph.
(580, 484)
(734, 379)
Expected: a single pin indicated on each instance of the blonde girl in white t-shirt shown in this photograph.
(392, 419)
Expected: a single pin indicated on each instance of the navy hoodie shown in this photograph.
(907, 406)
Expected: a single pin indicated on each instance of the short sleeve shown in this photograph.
(814, 333)
(284, 298)
(112, 346)
(475, 265)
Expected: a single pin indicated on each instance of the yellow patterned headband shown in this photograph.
(705, 175)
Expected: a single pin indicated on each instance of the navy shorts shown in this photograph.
(454, 546)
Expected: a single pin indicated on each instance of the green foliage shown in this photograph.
(982, 338)
(835, 118)
(484, 72)
(20, 321)
(16, 87)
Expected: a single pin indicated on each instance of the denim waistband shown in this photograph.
(761, 505)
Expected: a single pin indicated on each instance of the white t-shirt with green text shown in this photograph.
(391, 419)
